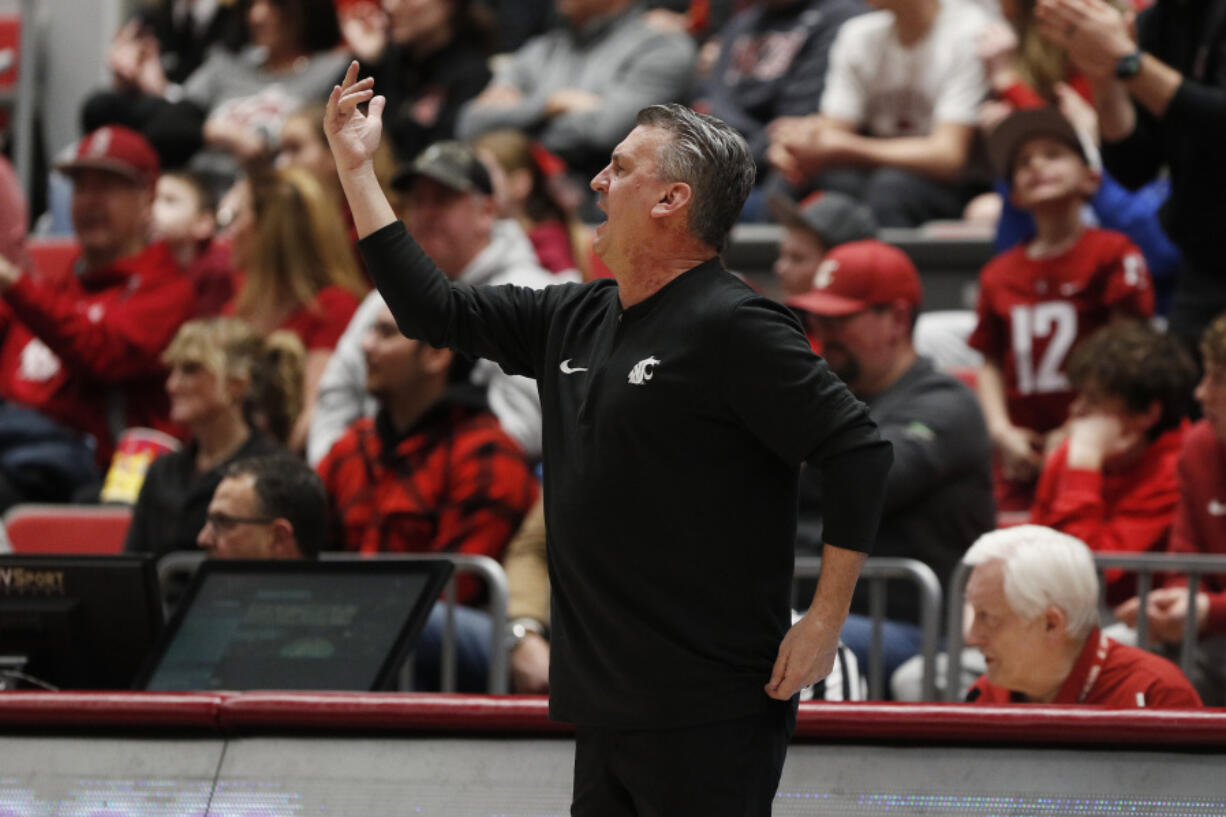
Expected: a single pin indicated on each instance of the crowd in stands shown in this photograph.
(215, 292)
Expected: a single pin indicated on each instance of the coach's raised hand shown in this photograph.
(353, 137)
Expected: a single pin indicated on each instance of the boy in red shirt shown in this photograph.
(1037, 300)
(1112, 482)
(1034, 597)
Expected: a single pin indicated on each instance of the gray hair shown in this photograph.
(713, 159)
(1043, 567)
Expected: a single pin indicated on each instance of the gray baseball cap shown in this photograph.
(836, 218)
(452, 164)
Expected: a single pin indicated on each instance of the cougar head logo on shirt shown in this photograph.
(642, 372)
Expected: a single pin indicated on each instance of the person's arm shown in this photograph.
(528, 590)
(808, 650)
(1075, 504)
(659, 72)
(512, 99)
(505, 323)
(789, 399)
(126, 340)
(1135, 214)
(940, 155)
(1019, 447)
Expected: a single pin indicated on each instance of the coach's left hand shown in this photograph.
(805, 657)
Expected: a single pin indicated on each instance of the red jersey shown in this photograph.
(85, 349)
(1128, 510)
(1200, 520)
(1032, 312)
(1108, 673)
(454, 483)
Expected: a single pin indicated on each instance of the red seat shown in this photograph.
(67, 528)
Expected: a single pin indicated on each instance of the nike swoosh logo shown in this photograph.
(1216, 508)
(566, 367)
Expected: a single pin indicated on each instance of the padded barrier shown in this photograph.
(520, 714)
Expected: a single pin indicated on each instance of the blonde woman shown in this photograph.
(238, 394)
(298, 269)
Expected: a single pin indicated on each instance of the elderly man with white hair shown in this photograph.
(1034, 597)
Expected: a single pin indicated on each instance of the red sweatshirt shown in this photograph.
(1129, 510)
(1200, 521)
(85, 349)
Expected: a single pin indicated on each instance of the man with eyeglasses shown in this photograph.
(863, 306)
(266, 508)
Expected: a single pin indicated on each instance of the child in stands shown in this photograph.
(1038, 299)
(185, 217)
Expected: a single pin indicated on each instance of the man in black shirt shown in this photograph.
(677, 407)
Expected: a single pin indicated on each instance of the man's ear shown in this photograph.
(1055, 621)
(284, 543)
(675, 198)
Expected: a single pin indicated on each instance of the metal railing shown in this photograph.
(1145, 565)
(182, 564)
(878, 571)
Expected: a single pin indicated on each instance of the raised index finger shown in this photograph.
(351, 75)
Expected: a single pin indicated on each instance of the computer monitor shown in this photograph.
(294, 624)
(76, 622)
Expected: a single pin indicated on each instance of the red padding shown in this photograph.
(1018, 724)
(179, 710)
(390, 711)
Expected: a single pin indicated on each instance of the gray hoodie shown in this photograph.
(509, 259)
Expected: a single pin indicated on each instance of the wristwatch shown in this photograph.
(1128, 66)
(518, 629)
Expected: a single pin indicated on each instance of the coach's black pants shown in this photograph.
(724, 769)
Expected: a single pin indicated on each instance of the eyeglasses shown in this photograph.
(224, 523)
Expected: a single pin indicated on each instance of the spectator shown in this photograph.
(1034, 597)
(448, 203)
(898, 113)
(1200, 527)
(772, 63)
(238, 395)
(428, 59)
(270, 507)
(234, 104)
(813, 228)
(1112, 483)
(578, 87)
(80, 355)
(1037, 300)
(299, 270)
(864, 299)
(432, 472)
(185, 217)
(531, 187)
(1160, 98)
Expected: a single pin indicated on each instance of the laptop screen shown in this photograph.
(344, 625)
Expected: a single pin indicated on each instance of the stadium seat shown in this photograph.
(67, 528)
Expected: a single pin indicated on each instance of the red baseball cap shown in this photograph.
(853, 277)
(116, 149)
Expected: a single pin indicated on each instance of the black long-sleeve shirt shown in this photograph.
(673, 434)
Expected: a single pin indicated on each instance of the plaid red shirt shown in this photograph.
(455, 483)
